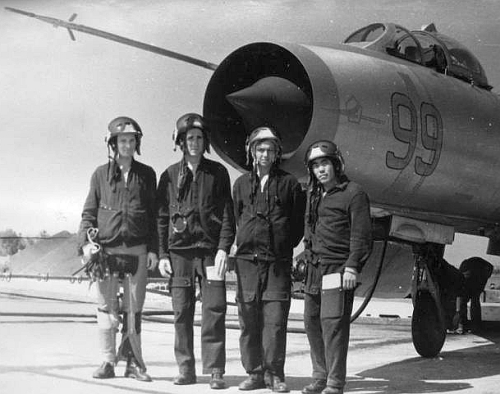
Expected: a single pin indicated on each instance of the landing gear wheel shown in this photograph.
(428, 331)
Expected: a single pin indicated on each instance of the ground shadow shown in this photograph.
(450, 371)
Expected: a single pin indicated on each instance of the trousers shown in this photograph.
(475, 311)
(263, 298)
(188, 267)
(327, 316)
(108, 308)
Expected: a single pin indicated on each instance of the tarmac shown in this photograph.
(49, 345)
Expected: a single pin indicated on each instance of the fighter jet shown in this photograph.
(413, 113)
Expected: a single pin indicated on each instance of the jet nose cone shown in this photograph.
(275, 102)
(260, 84)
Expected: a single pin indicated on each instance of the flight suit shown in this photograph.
(195, 219)
(340, 238)
(269, 225)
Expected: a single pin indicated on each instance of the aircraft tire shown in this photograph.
(427, 329)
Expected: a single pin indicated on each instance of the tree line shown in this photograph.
(12, 242)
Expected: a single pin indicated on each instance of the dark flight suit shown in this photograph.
(269, 227)
(203, 200)
(340, 238)
(476, 272)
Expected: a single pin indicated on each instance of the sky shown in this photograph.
(58, 96)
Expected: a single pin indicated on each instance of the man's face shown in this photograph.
(195, 144)
(265, 153)
(324, 172)
(126, 144)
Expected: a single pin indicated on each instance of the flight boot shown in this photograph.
(105, 371)
(185, 378)
(253, 382)
(316, 387)
(332, 390)
(217, 382)
(278, 385)
(134, 371)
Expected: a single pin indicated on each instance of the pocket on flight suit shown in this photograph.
(276, 308)
(247, 309)
(332, 303)
(182, 293)
(214, 295)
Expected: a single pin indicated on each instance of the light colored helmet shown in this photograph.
(262, 134)
(328, 149)
(122, 125)
(187, 122)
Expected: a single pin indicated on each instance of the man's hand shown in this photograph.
(88, 251)
(165, 267)
(152, 261)
(221, 263)
(349, 278)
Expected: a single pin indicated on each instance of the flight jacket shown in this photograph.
(123, 212)
(270, 228)
(207, 207)
(343, 233)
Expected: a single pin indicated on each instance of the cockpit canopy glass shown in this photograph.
(366, 34)
(405, 46)
(462, 63)
(427, 48)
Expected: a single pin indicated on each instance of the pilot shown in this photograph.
(120, 205)
(338, 241)
(476, 272)
(269, 207)
(196, 230)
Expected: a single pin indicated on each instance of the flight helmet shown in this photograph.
(187, 122)
(122, 125)
(328, 149)
(261, 134)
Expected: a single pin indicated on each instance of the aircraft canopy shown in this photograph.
(426, 47)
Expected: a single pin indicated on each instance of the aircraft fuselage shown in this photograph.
(422, 143)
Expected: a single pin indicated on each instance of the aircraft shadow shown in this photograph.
(449, 371)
